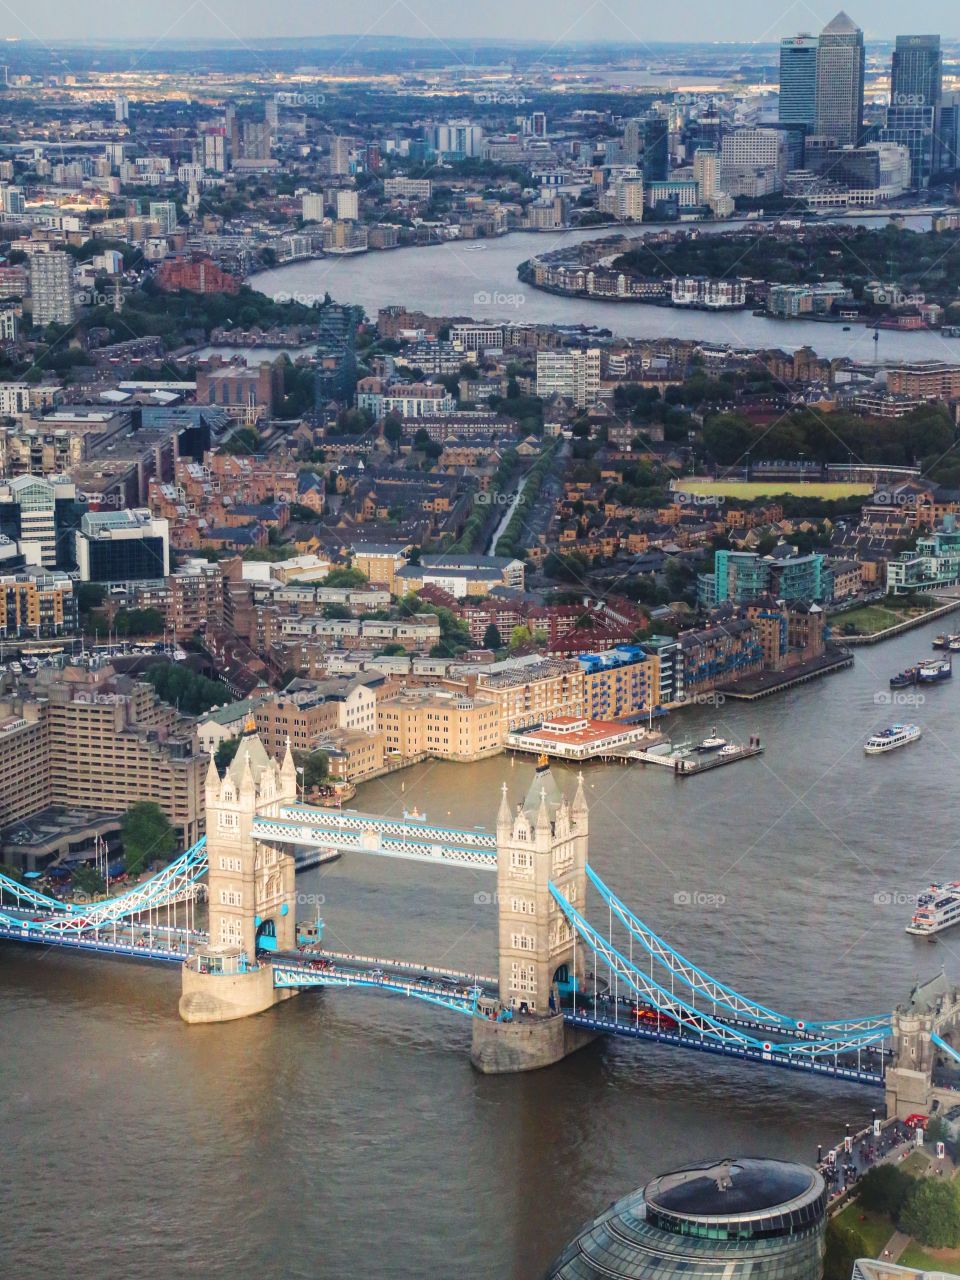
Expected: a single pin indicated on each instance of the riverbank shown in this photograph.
(899, 628)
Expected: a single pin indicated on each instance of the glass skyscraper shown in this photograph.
(798, 81)
(840, 68)
(915, 79)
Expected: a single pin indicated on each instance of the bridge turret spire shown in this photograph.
(504, 814)
(288, 774)
(579, 809)
(212, 780)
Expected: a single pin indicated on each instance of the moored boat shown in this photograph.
(935, 671)
(904, 678)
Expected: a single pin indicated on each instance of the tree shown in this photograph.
(315, 766)
(844, 1246)
(883, 1189)
(931, 1213)
(392, 431)
(345, 578)
(226, 752)
(148, 836)
(492, 638)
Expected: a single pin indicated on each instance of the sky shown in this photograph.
(626, 21)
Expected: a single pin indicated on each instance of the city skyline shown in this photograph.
(558, 23)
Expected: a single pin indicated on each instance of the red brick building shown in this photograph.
(196, 275)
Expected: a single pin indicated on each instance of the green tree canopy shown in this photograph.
(492, 638)
(844, 1246)
(148, 836)
(883, 1189)
(931, 1213)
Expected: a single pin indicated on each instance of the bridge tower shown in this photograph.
(250, 885)
(543, 842)
(933, 1008)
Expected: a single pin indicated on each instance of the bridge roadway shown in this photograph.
(410, 838)
(138, 941)
(448, 988)
(620, 1018)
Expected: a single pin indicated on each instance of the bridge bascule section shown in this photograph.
(561, 980)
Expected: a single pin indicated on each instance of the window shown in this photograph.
(226, 820)
(523, 906)
(230, 864)
(231, 898)
(522, 942)
(521, 860)
(523, 977)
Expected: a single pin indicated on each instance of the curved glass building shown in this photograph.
(745, 1219)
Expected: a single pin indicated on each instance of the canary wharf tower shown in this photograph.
(840, 69)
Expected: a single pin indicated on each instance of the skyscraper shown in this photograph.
(798, 81)
(915, 75)
(840, 68)
(51, 287)
(656, 149)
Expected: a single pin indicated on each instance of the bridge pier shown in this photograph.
(524, 1043)
(224, 997)
(933, 1009)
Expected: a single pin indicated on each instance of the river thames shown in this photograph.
(479, 278)
(346, 1134)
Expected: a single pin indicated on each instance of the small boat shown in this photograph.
(896, 735)
(904, 678)
(938, 908)
(713, 743)
(846, 328)
(730, 750)
(951, 641)
(935, 671)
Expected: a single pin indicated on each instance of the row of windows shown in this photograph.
(522, 942)
(231, 898)
(230, 864)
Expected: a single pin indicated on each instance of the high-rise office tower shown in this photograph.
(915, 74)
(656, 149)
(121, 108)
(798, 81)
(948, 134)
(840, 68)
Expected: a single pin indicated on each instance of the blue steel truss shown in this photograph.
(63, 923)
(696, 1028)
(700, 983)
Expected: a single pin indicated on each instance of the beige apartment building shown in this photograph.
(309, 709)
(528, 695)
(24, 761)
(440, 723)
(379, 562)
(90, 740)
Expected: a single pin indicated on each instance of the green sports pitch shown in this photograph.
(749, 489)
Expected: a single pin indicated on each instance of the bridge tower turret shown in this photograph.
(250, 886)
(542, 843)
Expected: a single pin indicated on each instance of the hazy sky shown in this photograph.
(553, 20)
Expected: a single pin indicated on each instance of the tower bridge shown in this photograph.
(561, 979)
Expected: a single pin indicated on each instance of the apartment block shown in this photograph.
(441, 723)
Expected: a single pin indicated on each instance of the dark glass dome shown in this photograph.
(735, 1219)
(729, 1187)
